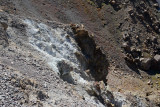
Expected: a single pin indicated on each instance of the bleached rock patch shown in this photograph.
(59, 50)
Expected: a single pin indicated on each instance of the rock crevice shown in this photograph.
(96, 60)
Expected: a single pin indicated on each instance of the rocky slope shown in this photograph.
(79, 53)
(35, 62)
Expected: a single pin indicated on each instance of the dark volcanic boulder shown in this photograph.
(156, 62)
(145, 63)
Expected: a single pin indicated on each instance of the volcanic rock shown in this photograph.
(156, 62)
(145, 63)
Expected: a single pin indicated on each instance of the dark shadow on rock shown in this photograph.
(3, 35)
(132, 66)
(95, 59)
(152, 72)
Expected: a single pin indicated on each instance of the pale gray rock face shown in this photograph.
(58, 47)
(157, 58)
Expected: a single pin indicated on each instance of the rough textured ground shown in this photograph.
(113, 23)
(26, 77)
